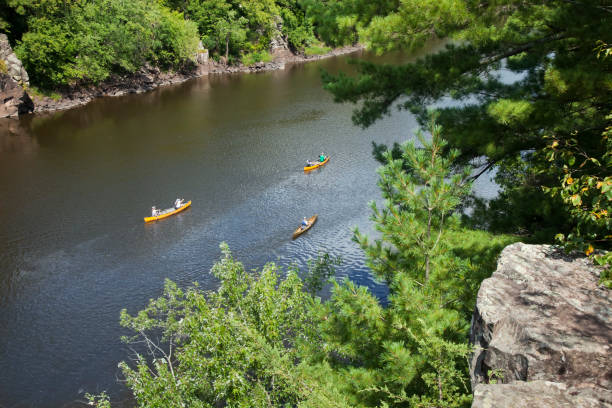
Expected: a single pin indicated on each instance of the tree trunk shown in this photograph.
(428, 249)
(227, 50)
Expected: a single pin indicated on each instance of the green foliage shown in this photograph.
(560, 90)
(320, 271)
(257, 56)
(44, 93)
(495, 375)
(316, 49)
(586, 192)
(98, 401)
(230, 30)
(298, 29)
(239, 346)
(418, 202)
(87, 41)
(413, 351)
(339, 22)
(413, 22)
(4, 25)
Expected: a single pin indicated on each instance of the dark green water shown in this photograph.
(75, 185)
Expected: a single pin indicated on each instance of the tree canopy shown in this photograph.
(67, 42)
(522, 75)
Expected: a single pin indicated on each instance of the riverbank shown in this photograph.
(149, 78)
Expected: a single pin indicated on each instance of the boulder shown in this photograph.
(202, 54)
(13, 65)
(14, 100)
(541, 319)
(540, 394)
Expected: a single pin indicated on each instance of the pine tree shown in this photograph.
(411, 352)
(560, 90)
(418, 202)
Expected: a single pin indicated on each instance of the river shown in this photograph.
(75, 186)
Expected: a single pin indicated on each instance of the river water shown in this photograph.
(75, 186)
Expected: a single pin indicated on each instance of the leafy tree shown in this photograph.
(231, 29)
(4, 25)
(338, 22)
(239, 346)
(586, 191)
(87, 41)
(560, 90)
(320, 271)
(206, 13)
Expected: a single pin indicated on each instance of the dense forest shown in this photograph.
(66, 42)
(267, 338)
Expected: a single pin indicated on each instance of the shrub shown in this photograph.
(317, 49)
(257, 56)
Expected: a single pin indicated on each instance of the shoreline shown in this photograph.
(149, 78)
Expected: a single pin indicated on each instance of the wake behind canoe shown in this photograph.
(168, 212)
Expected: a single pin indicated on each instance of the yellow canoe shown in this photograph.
(317, 165)
(168, 212)
(302, 229)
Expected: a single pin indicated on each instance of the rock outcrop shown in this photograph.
(13, 81)
(145, 79)
(14, 100)
(14, 67)
(542, 332)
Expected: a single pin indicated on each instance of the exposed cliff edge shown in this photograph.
(542, 332)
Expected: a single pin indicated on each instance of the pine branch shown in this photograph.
(526, 47)
(480, 173)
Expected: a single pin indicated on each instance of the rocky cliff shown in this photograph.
(14, 81)
(542, 332)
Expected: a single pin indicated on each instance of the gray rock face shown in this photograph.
(13, 78)
(201, 55)
(534, 394)
(13, 98)
(13, 65)
(542, 318)
(278, 40)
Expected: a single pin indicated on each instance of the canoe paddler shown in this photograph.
(153, 211)
(321, 157)
(304, 222)
(309, 163)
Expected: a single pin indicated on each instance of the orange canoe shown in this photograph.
(317, 165)
(168, 212)
(302, 229)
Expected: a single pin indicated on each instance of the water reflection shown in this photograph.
(15, 137)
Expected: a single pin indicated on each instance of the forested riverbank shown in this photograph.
(76, 51)
(68, 43)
